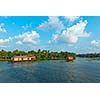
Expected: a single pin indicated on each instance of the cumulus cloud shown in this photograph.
(3, 46)
(53, 23)
(95, 42)
(25, 27)
(71, 18)
(19, 42)
(4, 41)
(29, 37)
(2, 29)
(73, 33)
(54, 38)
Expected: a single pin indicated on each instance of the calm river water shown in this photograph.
(82, 70)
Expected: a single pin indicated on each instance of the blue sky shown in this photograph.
(79, 34)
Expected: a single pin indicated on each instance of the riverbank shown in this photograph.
(38, 60)
(40, 54)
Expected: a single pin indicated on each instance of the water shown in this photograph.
(82, 70)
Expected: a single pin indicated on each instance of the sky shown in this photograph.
(79, 34)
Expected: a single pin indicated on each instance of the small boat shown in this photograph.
(70, 58)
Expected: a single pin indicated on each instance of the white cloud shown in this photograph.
(3, 46)
(73, 33)
(29, 37)
(95, 42)
(54, 38)
(26, 26)
(53, 23)
(2, 29)
(19, 42)
(71, 18)
(2, 41)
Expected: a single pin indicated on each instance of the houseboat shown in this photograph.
(23, 58)
(70, 58)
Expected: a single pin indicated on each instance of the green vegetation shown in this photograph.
(40, 54)
(44, 54)
(89, 55)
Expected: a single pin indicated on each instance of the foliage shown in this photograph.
(40, 54)
(89, 55)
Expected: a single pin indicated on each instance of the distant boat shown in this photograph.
(70, 58)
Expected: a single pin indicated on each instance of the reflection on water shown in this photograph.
(58, 71)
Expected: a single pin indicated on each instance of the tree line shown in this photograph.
(89, 55)
(40, 54)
